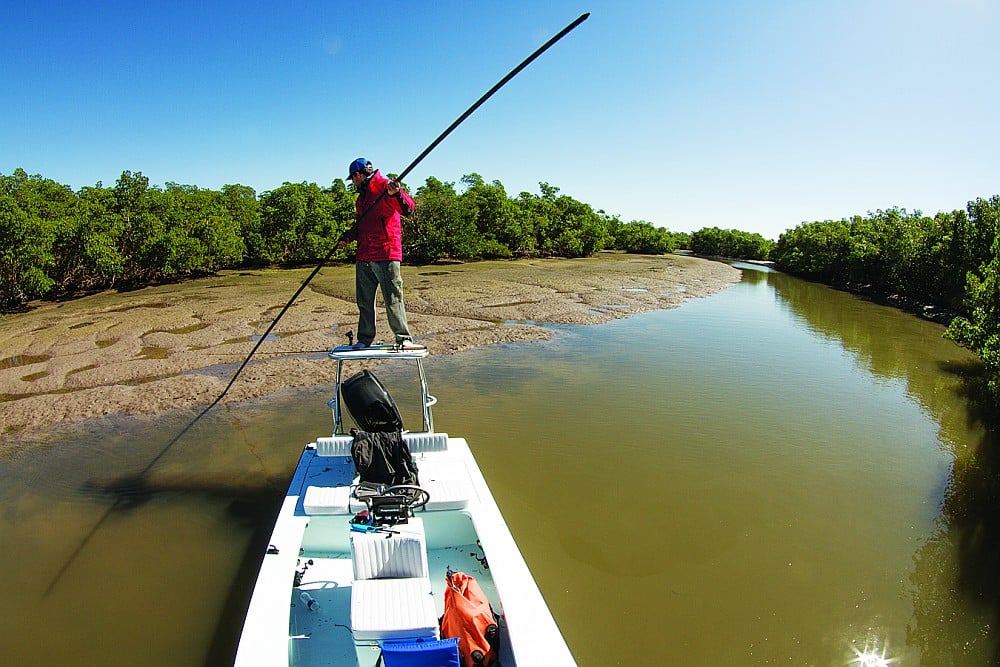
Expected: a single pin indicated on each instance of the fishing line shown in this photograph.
(458, 121)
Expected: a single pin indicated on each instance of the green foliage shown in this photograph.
(540, 215)
(816, 250)
(946, 262)
(89, 245)
(23, 255)
(483, 222)
(979, 327)
(57, 242)
(437, 229)
(731, 243)
(916, 257)
(201, 234)
(487, 207)
(560, 225)
(31, 209)
(139, 230)
(300, 223)
(641, 237)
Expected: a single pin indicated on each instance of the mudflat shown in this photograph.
(146, 351)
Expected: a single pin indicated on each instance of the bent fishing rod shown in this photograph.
(458, 121)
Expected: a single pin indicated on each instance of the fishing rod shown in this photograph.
(458, 121)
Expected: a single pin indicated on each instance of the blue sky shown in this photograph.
(754, 115)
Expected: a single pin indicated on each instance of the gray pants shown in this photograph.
(369, 276)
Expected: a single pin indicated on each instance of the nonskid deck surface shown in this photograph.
(324, 636)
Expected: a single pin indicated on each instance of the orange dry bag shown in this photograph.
(468, 616)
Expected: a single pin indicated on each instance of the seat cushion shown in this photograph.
(447, 482)
(393, 609)
(328, 500)
(399, 553)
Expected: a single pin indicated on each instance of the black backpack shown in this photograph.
(383, 458)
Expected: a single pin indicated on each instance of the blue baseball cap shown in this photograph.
(358, 165)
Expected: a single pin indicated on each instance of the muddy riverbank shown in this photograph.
(170, 346)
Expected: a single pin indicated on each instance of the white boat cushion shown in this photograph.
(420, 443)
(329, 500)
(447, 482)
(384, 555)
(340, 445)
(393, 609)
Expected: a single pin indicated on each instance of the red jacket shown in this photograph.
(379, 233)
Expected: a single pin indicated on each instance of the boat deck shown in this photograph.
(323, 636)
(460, 527)
(314, 549)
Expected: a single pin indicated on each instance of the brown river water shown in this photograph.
(779, 473)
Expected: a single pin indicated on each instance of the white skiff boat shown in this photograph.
(321, 597)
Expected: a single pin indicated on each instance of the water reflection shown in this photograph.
(955, 577)
(955, 573)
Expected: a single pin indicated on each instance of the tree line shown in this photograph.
(921, 259)
(947, 266)
(730, 243)
(948, 263)
(55, 242)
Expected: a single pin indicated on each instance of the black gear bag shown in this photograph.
(383, 458)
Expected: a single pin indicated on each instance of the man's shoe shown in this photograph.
(410, 345)
(359, 346)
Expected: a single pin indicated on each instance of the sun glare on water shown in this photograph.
(871, 657)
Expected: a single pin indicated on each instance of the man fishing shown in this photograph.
(379, 234)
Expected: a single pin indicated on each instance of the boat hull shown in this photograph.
(310, 552)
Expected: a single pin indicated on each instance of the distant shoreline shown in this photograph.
(136, 353)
